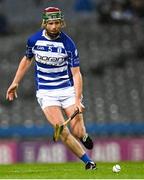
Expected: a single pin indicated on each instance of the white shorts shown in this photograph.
(58, 97)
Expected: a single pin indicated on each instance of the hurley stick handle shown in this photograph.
(71, 117)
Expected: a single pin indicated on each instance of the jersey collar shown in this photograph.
(48, 38)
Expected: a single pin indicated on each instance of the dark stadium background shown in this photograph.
(109, 35)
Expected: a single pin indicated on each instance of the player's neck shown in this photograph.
(51, 36)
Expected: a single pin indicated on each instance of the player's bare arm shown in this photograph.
(22, 69)
(78, 85)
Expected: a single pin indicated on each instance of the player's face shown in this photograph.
(53, 28)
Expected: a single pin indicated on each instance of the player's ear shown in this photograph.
(63, 24)
(43, 24)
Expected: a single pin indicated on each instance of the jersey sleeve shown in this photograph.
(73, 54)
(74, 58)
(29, 46)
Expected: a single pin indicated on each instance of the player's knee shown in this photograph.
(79, 132)
(65, 133)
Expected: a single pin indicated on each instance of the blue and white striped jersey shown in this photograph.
(53, 60)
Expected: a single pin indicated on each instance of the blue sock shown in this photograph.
(85, 158)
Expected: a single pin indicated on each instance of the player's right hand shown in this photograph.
(12, 92)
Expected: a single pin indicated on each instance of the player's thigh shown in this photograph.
(54, 114)
(77, 125)
(78, 122)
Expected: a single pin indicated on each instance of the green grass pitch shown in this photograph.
(71, 170)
